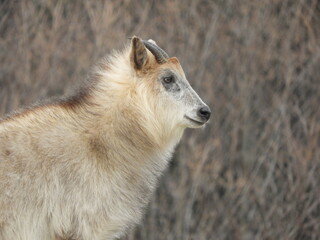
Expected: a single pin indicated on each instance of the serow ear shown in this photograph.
(138, 55)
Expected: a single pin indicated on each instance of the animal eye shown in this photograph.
(168, 80)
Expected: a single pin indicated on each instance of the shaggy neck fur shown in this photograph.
(122, 108)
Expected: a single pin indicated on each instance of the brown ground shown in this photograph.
(254, 171)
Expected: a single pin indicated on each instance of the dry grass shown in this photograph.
(253, 173)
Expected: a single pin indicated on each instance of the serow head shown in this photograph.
(173, 99)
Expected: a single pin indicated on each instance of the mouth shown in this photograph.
(194, 121)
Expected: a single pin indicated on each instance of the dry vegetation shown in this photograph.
(254, 171)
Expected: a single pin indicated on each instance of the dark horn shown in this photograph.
(160, 55)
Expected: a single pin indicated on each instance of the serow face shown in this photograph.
(189, 109)
(179, 104)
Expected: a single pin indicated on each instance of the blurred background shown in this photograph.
(254, 171)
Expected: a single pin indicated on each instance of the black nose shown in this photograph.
(204, 113)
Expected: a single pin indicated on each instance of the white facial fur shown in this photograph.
(179, 93)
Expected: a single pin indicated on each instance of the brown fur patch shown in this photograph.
(7, 152)
(69, 103)
(21, 114)
(173, 63)
(98, 149)
(61, 238)
(75, 100)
